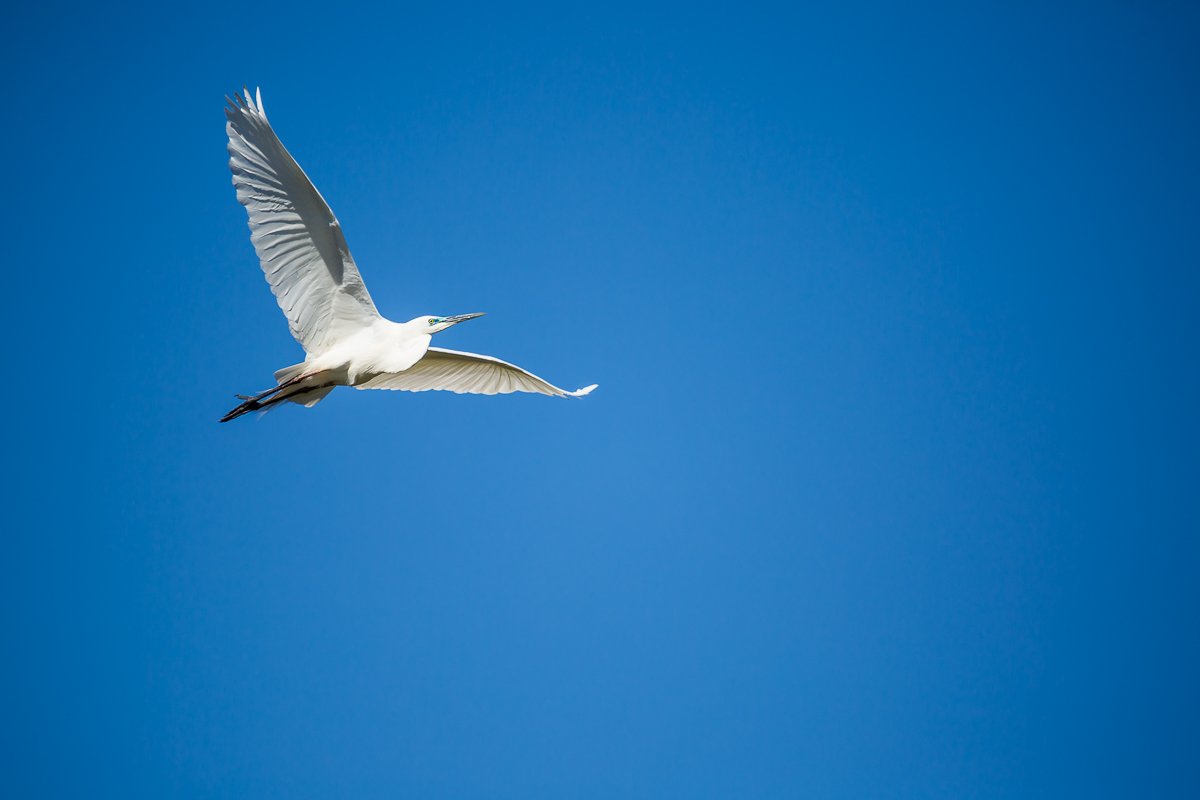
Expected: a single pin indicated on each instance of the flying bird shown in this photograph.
(304, 256)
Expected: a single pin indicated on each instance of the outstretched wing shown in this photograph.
(298, 240)
(466, 373)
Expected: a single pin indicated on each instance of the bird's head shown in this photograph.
(433, 324)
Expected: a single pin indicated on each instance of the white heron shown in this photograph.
(304, 256)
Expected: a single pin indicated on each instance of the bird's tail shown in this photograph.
(286, 374)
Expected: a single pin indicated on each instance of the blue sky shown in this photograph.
(888, 490)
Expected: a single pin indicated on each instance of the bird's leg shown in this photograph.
(271, 391)
(254, 403)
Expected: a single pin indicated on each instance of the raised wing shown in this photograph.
(466, 373)
(298, 240)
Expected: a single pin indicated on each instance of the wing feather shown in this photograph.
(466, 373)
(299, 242)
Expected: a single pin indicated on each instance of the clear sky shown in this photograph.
(889, 489)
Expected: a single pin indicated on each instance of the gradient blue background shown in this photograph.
(889, 488)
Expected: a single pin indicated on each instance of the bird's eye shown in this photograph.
(433, 320)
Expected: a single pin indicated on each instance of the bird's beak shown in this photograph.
(461, 318)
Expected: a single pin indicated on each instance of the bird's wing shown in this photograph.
(298, 239)
(466, 373)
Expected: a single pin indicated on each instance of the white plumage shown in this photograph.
(306, 261)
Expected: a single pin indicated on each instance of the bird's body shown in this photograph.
(383, 346)
(317, 285)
